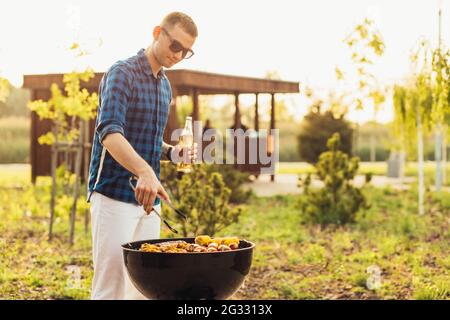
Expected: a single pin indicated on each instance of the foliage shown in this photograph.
(414, 99)
(234, 180)
(366, 45)
(77, 103)
(338, 201)
(203, 196)
(317, 128)
(441, 85)
(5, 88)
(426, 94)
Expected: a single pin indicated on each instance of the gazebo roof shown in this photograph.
(183, 81)
(214, 83)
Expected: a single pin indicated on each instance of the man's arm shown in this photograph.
(122, 151)
(148, 185)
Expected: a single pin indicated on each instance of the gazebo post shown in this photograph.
(195, 112)
(272, 126)
(33, 145)
(237, 113)
(256, 113)
(237, 125)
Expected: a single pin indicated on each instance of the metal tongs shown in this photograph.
(178, 211)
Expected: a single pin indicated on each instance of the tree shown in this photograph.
(317, 127)
(440, 108)
(69, 112)
(413, 105)
(361, 86)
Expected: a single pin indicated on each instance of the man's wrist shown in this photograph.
(145, 171)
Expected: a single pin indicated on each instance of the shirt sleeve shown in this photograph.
(115, 94)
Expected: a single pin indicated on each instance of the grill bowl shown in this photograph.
(196, 276)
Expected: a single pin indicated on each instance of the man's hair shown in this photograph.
(185, 22)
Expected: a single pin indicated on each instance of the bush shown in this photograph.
(233, 179)
(338, 201)
(316, 129)
(203, 196)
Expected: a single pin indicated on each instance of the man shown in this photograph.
(134, 98)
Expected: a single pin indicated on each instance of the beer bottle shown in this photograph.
(186, 141)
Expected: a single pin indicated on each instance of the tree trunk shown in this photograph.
(53, 195)
(420, 160)
(68, 164)
(54, 158)
(86, 149)
(75, 189)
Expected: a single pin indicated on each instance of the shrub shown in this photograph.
(203, 196)
(234, 180)
(338, 201)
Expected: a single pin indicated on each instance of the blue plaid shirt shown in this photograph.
(136, 104)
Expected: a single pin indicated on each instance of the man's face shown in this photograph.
(169, 39)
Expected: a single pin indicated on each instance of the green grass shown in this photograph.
(297, 261)
(292, 260)
(30, 266)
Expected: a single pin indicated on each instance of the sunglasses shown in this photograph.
(176, 46)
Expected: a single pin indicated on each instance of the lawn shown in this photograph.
(293, 260)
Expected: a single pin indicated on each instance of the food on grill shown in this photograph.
(223, 247)
(202, 244)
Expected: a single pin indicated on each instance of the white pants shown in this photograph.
(113, 224)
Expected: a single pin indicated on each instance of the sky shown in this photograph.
(300, 40)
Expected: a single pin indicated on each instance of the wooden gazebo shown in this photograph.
(184, 82)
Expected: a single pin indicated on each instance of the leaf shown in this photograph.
(47, 139)
(339, 73)
(5, 89)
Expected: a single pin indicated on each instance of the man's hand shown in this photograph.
(178, 150)
(148, 185)
(147, 188)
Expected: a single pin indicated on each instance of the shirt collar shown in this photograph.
(146, 67)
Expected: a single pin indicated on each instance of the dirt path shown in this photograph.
(287, 184)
